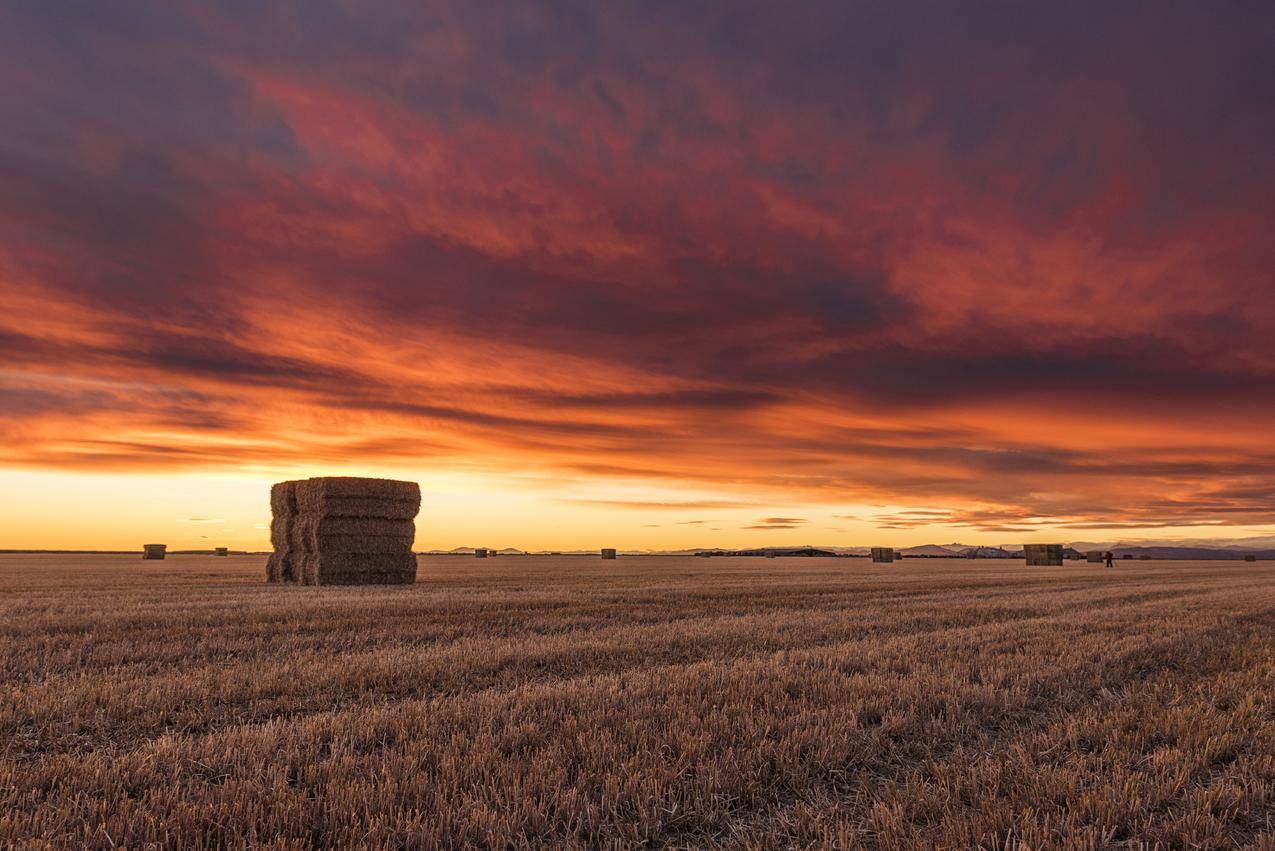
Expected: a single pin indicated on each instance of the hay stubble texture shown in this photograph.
(542, 702)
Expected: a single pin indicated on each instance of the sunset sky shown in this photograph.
(646, 275)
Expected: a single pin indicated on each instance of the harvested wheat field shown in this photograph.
(672, 702)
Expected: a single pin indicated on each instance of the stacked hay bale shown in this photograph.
(608, 552)
(343, 530)
(882, 555)
(480, 552)
(1094, 556)
(1251, 557)
(1041, 555)
(221, 551)
(154, 551)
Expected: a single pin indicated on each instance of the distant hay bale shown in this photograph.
(480, 552)
(1094, 556)
(343, 530)
(883, 555)
(221, 551)
(1043, 555)
(154, 551)
(608, 553)
(1250, 557)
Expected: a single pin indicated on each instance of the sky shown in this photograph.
(646, 275)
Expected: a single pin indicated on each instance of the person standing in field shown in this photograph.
(1110, 558)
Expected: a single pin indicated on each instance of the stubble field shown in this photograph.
(672, 702)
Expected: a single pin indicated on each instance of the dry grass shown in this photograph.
(661, 702)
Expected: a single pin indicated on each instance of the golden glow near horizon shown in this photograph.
(66, 510)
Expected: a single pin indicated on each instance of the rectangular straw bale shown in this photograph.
(358, 544)
(336, 486)
(281, 530)
(316, 534)
(275, 567)
(357, 568)
(352, 497)
(312, 525)
(883, 555)
(1043, 554)
(354, 506)
(283, 498)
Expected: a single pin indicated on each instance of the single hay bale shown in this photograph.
(281, 530)
(357, 568)
(1095, 557)
(344, 496)
(357, 544)
(154, 551)
(282, 566)
(608, 553)
(283, 498)
(354, 506)
(403, 577)
(322, 487)
(1043, 555)
(274, 567)
(882, 555)
(365, 526)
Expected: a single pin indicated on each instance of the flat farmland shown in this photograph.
(662, 702)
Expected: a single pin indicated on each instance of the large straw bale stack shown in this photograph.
(154, 551)
(343, 531)
(221, 551)
(1043, 555)
(1251, 557)
(1094, 557)
(608, 552)
(883, 555)
(480, 552)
